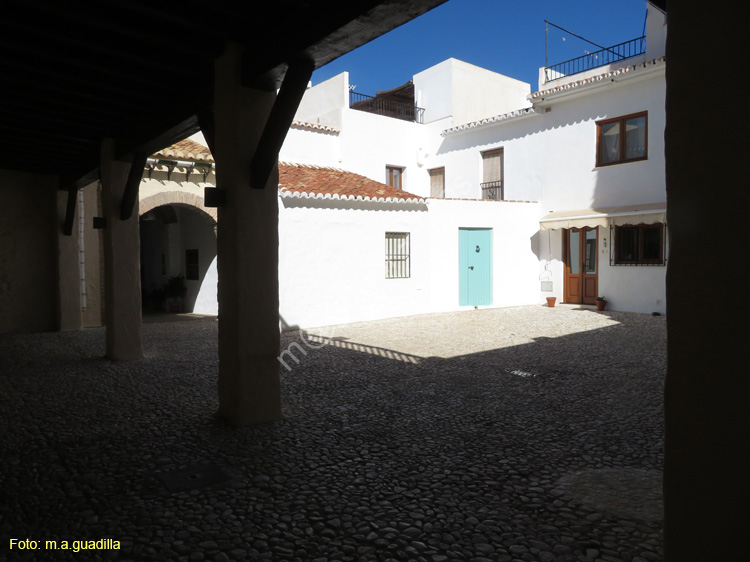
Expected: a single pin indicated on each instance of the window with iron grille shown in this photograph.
(397, 255)
(492, 174)
(641, 244)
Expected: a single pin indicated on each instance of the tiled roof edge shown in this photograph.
(518, 113)
(314, 127)
(596, 79)
(480, 200)
(288, 193)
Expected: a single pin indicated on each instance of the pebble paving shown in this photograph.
(524, 434)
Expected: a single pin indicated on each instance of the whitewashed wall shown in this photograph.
(567, 147)
(458, 90)
(332, 258)
(308, 146)
(332, 261)
(515, 250)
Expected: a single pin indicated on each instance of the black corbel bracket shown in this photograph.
(280, 119)
(70, 210)
(130, 194)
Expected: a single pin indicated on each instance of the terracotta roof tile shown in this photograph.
(318, 181)
(187, 150)
(303, 180)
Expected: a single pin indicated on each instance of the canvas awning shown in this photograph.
(648, 213)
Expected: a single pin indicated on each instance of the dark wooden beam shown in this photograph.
(280, 119)
(153, 137)
(208, 128)
(130, 195)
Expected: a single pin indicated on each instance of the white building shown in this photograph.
(587, 147)
(497, 196)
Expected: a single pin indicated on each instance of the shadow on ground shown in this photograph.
(549, 451)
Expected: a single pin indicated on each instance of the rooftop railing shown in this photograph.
(388, 108)
(609, 55)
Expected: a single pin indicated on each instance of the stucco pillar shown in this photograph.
(247, 250)
(122, 278)
(68, 269)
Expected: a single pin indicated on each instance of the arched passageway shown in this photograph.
(178, 244)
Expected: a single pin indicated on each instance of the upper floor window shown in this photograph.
(394, 176)
(437, 182)
(624, 139)
(492, 174)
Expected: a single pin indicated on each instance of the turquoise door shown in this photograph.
(474, 266)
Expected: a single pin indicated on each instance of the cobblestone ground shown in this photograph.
(541, 441)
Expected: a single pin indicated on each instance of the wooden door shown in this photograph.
(475, 266)
(581, 267)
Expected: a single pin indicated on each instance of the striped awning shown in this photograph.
(648, 213)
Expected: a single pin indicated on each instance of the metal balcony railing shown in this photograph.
(629, 49)
(492, 190)
(388, 108)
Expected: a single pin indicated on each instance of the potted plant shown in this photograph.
(601, 303)
(154, 299)
(551, 301)
(174, 290)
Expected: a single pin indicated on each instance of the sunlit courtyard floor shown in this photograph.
(521, 434)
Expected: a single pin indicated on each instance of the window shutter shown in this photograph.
(437, 182)
(492, 164)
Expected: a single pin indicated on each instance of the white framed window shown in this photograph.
(623, 139)
(394, 176)
(397, 255)
(437, 182)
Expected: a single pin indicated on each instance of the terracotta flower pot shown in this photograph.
(551, 301)
(601, 305)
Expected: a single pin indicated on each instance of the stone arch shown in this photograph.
(175, 198)
(165, 236)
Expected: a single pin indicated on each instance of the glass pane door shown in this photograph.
(574, 251)
(590, 251)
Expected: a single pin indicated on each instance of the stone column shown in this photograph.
(247, 250)
(68, 269)
(122, 266)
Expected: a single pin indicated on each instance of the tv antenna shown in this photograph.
(546, 39)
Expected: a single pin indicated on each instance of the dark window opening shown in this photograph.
(192, 268)
(641, 244)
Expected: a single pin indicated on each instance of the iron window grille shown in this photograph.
(397, 255)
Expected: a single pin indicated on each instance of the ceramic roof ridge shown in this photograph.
(522, 112)
(296, 193)
(598, 77)
(314, 166)
(317, 127)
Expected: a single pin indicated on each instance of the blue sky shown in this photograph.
(506, 36)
